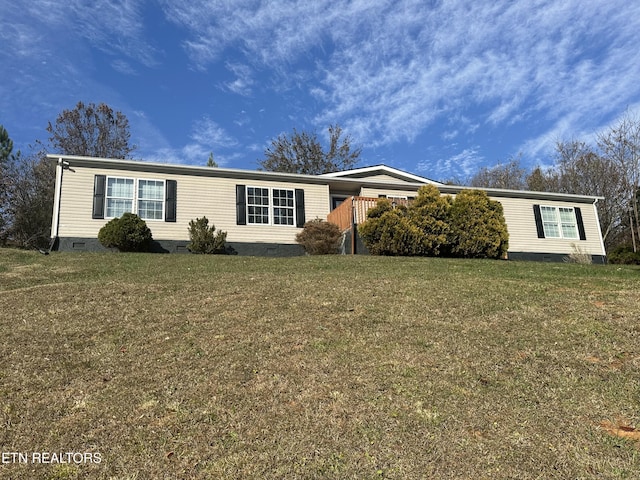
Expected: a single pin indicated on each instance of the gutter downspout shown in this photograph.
(55, 220)
(595, 210)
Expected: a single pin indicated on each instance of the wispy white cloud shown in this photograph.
(123, 67)
(208, 133)
(389, 71)
(207, 137)
(462, 164)
(243, 83)
(39, 27)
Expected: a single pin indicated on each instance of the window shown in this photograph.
(257, 205)
(151, 199)
(559, 222)
(122, 196)
(282, 207)
(119, 196)
(270, 206)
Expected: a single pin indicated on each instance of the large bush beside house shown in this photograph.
(204, 238)
(477, 226)
(388, 231)
(320, 238)
(430, 214)
(471, 226)
(128, 233)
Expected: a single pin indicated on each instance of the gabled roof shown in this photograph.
(375, 170)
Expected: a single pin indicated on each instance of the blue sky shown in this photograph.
(437, 88)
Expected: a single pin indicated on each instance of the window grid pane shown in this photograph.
(550, 222)
(151, 199)
(257, 205)
(151, 189)
(150, 210)
(283, 207)
(117, 206)
(119, 196)
(569, 224)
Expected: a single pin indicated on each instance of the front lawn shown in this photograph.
(189, 366)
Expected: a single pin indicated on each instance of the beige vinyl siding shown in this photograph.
(197, 196)
(385, 178)
(376, 192)
(523, 236)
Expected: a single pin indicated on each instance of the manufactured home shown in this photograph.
(263, 211)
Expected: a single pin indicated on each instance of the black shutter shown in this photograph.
(300, 219)
(170, 201)
(241, 205)
(99, 183)
(538, 217)
(581, 232)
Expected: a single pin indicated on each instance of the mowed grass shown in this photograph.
(187, 366)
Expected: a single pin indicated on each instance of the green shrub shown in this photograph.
(419, 229)
(477, 226)
(128, 233)
(624, 255)
(319, 237)
(390, 232)
(204, 238)
(471, 225)
(430, 213)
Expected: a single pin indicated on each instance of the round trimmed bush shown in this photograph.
(320, 238)
(128, 233)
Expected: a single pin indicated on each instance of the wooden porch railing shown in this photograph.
(353, 211)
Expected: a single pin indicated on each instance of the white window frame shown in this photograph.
(287, 207)
(107, 197)
(162, 199)
(558, 223)
(271, 206)
(135, 198)
(258, 205)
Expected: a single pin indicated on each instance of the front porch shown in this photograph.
(351, 213)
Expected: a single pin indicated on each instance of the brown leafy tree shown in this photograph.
(301, 152)
(91, 130)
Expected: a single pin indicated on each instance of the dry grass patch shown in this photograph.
(230, 367)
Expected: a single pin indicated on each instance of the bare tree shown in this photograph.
(510, 176)
(301, 152)
(27, 195)
(91, 130)
(581, 170)
(621, 146)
